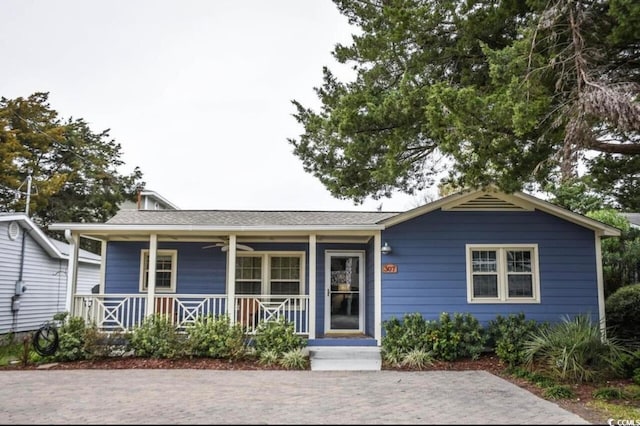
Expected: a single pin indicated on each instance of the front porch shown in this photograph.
(326, 281)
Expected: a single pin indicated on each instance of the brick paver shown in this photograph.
(269, 397)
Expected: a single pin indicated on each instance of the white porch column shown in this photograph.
(72, 269)
(231, 279)
(151, 279)
(377, 286)
(103, 265)
(312, 286)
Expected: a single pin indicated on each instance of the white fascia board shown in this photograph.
(545, 206)
(160, 197)
(35, 232)
(10, 217)
(106, 228)
(520, 198)
(435, 205)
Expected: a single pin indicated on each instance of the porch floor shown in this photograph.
(339, 339)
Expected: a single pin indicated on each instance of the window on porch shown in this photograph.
(269, 273)
(166, 261)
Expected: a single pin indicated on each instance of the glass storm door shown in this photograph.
(344, 282)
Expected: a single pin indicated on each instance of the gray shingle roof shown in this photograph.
(246, 217)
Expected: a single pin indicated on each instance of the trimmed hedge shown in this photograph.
(623, 311)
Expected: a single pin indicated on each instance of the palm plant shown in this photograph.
(574, 350)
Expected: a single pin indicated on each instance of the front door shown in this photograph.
(344, 283)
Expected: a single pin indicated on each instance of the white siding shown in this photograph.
(45, 279)
(88, 276)
(9, 271)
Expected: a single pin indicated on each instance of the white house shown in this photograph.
(33, 274)
(149, 200)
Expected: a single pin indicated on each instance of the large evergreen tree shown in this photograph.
(511, 92)
(74, 170)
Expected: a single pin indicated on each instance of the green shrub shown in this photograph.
(507, 335)
(541, 380)
(156, 337)
(609, 393)
(623, 310)
(268, 357)
(636, 376)
(628, 363)
(13, 348)
(294, 359)
(393, 358)
(77, 340)
(402, 337)
(460, 337)
(520, 372)
(632, 391)
(447, 339)
(573, 350)
(215, 338)
(417, 359)
(278, 336)
(536, 378)
(559, 392)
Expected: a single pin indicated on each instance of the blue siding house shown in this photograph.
(342, 274)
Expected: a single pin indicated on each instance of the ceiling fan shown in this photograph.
(224, 246)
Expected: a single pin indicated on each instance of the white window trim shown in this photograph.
(501, 250)
(174, 268)
(266, 268)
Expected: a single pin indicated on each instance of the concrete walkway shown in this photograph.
(269, 397)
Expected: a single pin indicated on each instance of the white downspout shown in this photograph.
(151, 278)
(312, 286)
(72, 269)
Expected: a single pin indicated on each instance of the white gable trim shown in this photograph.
(498, 201)
(153, 194)
(35, 232)
(27, 225)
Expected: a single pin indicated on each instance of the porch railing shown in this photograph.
(124, 312)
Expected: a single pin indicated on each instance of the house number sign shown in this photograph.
(389, 268)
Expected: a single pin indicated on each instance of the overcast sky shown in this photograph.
(197, 92)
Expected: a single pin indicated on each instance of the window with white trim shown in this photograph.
(166, 267)
(249, 275)
(270, 273)
(502, 273)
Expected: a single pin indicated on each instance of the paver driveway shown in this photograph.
(269, 397)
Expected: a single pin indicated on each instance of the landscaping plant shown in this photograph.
(156, 337)
(574, 350)
(507, 335)
(623, 314)
(216, 338)
(278, 336)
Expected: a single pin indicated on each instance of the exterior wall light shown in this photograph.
(386, 248)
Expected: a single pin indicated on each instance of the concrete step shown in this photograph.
(345, 358)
